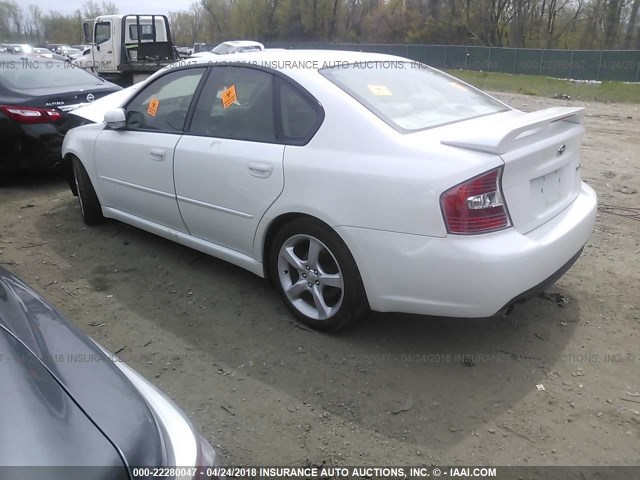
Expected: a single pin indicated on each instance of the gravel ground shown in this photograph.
(397, 389)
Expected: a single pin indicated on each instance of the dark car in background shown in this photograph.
(68, 403)
(35, 94)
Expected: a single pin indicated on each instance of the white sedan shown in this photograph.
(353, 181)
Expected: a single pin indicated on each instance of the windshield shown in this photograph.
(35, 74)
(222, 49)
(411, 96)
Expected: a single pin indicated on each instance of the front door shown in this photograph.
(104, 59)
(135, 165)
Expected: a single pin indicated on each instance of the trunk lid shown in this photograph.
(95, 111)
(541, 154)
(66, 99)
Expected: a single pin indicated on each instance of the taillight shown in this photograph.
(475, 206)
(30, 115)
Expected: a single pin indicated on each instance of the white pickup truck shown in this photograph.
(126, 49)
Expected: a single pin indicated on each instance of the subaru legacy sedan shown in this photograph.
(353, 181)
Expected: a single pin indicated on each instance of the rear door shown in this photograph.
(135, 165)
(229, 165)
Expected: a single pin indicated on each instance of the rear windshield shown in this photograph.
(38, 72)
(411, 96)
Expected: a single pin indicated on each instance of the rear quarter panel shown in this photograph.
(358, 171)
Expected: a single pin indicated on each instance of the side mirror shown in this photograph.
(116, 119)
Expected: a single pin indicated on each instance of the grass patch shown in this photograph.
(609, 92)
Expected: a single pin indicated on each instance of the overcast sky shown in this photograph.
(124, 6)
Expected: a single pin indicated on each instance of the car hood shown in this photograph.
(95, 111)
(80, 368)
(47, 427)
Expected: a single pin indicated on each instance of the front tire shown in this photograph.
(89, 203)
(316, 276)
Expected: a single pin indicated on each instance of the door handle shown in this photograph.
(259, 169)
(158, 154)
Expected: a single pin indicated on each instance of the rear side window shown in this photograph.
(236, 103)
(163, 105)
(299, 116)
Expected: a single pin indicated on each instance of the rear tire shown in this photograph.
(89, 204)
(316, 276)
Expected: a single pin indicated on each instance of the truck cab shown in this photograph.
(126, 49)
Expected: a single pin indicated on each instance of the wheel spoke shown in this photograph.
(331, 280)
(75, 175)
(292, 259)
(303, 253)
(314, 253)
(296, 289)
(324, 310)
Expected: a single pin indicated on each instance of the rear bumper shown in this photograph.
(542, 286)
(31, 146)
(468, 276)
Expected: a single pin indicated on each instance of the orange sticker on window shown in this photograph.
(152, 109)
(229, 96)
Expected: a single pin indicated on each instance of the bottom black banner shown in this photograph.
(322, 473)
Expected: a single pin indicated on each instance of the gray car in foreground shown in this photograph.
(67, 403)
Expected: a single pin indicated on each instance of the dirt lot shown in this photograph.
(394, 390)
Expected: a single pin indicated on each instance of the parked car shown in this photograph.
(17, 48)
(33, 100)
(68, 402)
(54, 47)
(185, 51)
(237, 46)
(201, 47)
(43, 52)
(406, 189)
(68, 52)
(232, 46)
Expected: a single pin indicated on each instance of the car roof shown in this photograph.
(293, 59)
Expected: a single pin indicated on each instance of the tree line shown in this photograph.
(572, 24)
(32, 25)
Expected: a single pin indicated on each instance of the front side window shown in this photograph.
(163, 105)
(236, 103)
(411, 96)
(103, 32)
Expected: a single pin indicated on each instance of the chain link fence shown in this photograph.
(601, 65)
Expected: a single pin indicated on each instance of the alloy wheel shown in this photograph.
(310, 277)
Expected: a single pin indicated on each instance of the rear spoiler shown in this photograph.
(499, 138)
